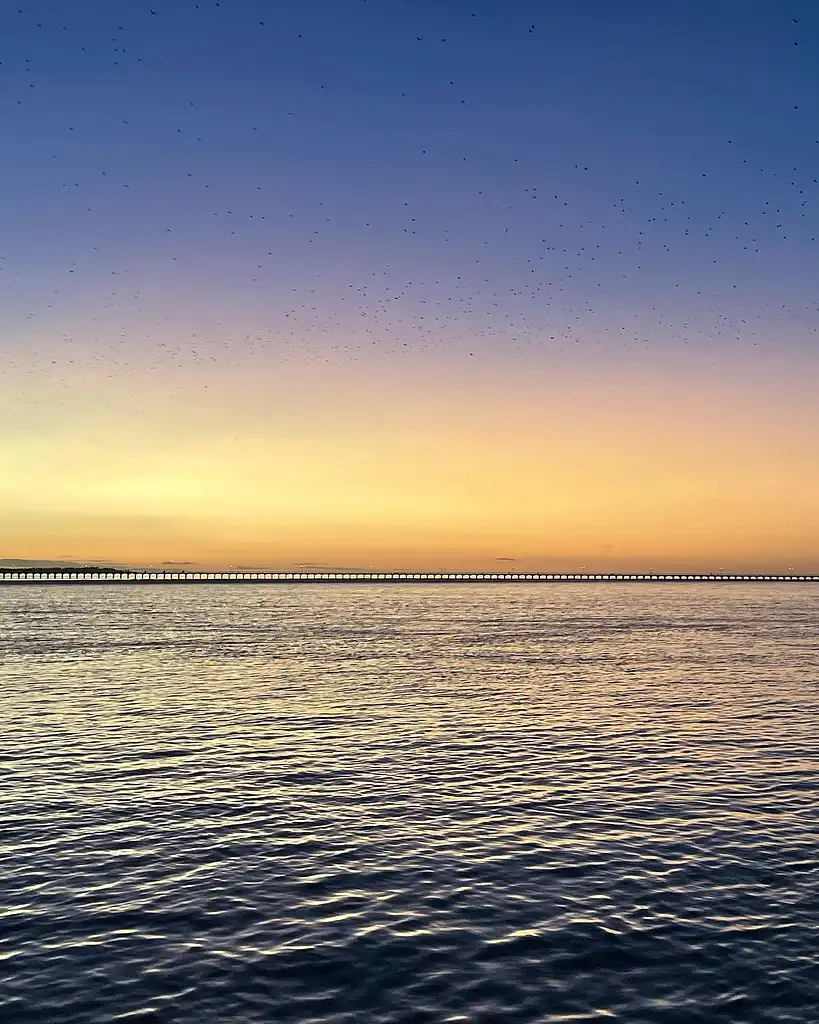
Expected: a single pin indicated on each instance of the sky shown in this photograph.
(403, 284)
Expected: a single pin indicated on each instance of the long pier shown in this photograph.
(128, 577)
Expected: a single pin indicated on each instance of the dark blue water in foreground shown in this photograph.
(496, 803)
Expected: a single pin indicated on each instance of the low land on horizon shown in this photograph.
(496, 566)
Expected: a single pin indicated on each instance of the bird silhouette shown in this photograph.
(526, 253)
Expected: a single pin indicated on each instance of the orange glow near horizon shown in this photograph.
(604, 469)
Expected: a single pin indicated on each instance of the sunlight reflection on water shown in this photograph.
(331, 804)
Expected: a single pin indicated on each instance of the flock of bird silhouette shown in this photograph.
(580, 271)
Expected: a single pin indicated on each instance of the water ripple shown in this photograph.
(356, 805)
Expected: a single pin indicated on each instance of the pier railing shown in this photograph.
(124, 576)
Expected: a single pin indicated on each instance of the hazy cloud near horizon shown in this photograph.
(68, 562)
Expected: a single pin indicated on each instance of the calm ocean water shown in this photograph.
(476, 803)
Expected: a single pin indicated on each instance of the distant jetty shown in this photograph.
(67, 570)
(100, 574)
